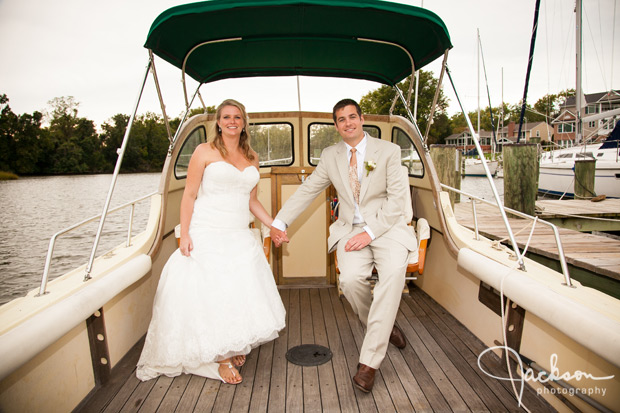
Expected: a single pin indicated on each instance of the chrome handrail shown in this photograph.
(50, 250)
(522, 215)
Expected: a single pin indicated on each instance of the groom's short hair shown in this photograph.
(342, 104)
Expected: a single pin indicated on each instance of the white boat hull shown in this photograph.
(559, 179)
(474, 167)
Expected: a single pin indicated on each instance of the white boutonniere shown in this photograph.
(369, 166)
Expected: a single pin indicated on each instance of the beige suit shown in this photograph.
(383, 197)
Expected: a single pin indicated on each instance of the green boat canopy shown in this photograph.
(293, 37)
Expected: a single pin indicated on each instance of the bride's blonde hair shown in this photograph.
(244, 139)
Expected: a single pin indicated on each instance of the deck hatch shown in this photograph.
(309, 355)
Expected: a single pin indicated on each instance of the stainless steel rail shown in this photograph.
(52, 244)
(556, 234)
(486, 171)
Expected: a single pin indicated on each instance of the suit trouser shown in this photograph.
(378, 313)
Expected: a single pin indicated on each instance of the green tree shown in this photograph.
(21, 139)
(380, 100)
(548, 106)
(148, 143)
(76, 145)
(113, 131)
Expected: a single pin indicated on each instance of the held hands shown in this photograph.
(278, 237)
(358, 242)
(186, 246)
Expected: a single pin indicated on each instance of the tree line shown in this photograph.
(70, 144)
(380, 100)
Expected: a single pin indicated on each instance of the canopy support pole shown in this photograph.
(176, 135)
(117, 169)
(161, 99)
(513, 241)
(436, 97)
(408, 109)
(187, 103)
(202, 102)
(410, 91)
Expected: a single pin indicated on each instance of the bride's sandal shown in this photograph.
(229, 373)
(238, 361)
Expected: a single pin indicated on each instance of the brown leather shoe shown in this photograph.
(397, 338)
(365, 378)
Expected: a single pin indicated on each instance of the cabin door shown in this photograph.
(304, 261)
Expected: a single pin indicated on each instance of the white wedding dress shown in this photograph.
(221, 301)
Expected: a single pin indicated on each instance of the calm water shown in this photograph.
(34, 209)
(480, 187)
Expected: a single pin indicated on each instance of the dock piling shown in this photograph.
(584, 178)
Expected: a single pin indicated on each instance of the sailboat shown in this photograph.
(474, 166)
(557, 167)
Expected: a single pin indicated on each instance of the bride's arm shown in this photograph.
(195, 171)
(256, 208)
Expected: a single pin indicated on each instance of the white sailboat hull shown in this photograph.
(474, 167)
(559, 179)
(557, 171)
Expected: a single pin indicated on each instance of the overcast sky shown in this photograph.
(93, 51)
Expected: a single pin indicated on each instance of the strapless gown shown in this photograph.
(221, 301)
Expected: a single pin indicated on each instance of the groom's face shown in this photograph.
(349, 125)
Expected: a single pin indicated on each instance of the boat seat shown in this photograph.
(417, 259)
(262, 235)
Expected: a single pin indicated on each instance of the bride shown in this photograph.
(216, 298)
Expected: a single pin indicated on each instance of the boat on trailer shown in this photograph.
(62, 344)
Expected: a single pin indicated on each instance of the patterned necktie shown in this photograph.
(353, 181)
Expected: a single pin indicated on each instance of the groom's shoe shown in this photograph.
(397, 338)
(365, 378)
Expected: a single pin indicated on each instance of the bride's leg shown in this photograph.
(228, 372)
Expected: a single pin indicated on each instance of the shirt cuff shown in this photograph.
(278, 224)
(367, 229)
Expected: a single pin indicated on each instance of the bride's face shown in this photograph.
(231, 121)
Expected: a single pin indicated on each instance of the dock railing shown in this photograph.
(556, 234)
(52, 244)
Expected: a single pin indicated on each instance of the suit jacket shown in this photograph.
(383, 193)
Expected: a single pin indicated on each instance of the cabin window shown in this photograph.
(195, 138)
(322, 135)
(409, 155)
(273, 142)
(586, 155)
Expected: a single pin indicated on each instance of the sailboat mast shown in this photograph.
(578, 90)
(478, 77)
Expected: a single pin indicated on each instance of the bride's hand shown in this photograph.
(186, 246)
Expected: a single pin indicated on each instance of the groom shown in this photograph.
(371, 230)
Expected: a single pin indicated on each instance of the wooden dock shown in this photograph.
(594, 253)
(581, 215)
(436, 371)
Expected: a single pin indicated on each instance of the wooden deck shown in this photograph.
(597, 254)
(437, 371)
(581, 215)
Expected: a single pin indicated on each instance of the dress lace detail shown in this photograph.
(222, 300)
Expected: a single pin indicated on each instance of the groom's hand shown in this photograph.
(277, 236)
(358, 242)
